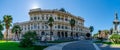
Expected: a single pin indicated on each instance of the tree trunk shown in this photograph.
(72, 32)
(6, 35)
(50, 33)
(17, 35)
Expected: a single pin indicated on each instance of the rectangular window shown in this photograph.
(55, 18)
(58, 18)
(38, 27)
(25, 28)
(42, 27)
(58, 26)
(35, 18)
(66, 19)
(42, 18)
(47, 18)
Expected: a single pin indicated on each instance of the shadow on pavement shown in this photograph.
(107, 47)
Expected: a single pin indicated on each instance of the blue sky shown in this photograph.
(97, 13)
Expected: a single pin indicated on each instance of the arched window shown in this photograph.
(77, 35)
(66, 19)
(42, 18)
(42, 27)
(66, 27)
(58, 18)
(35, 18)
(58, 26)
(35, 26)
(28, 27)
(62, 27)
(38, 27)
(58, 34)
(51, 33)
(55, 27)
(55, 18)
(46, 26)
(42, 33)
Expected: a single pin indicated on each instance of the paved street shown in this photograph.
(81, 45)
(107, 47)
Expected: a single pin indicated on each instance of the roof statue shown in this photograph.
(116, 16)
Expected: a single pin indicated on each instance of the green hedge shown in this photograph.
(115, 38)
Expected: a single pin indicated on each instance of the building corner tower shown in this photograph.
(116, 24)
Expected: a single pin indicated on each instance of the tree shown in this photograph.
(100, 36)
(50, 23)
(111, 31)
(28, 39)
(91, 29)
(72, 24)
(17, 30)
(115, 38)
(1, 35)
(95, 35)
(1, 28)
(99, 33)
(106, 32)
(7, 19)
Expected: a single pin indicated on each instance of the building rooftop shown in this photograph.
(53, 10)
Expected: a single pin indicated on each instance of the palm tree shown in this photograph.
(99, 33)
(106, 33)
(7, 19)
(1, 28)
(16, 29)
(50, 23)
(91, 28)
(95, 35)
(72, 24)
(111, 31)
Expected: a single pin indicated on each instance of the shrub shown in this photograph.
(28, 39)
(101, 39)
(1, 35)
(115, 38)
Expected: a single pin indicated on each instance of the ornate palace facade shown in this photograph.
(61, 25)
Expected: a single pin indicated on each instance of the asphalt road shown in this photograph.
(81, 45)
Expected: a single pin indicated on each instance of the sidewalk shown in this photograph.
(108, 47)
(58, 46)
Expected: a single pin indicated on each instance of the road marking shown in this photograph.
(96, 47)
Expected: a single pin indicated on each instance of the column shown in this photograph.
(60, 35)
(69, 33)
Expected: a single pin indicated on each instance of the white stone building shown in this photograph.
(61, 27)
